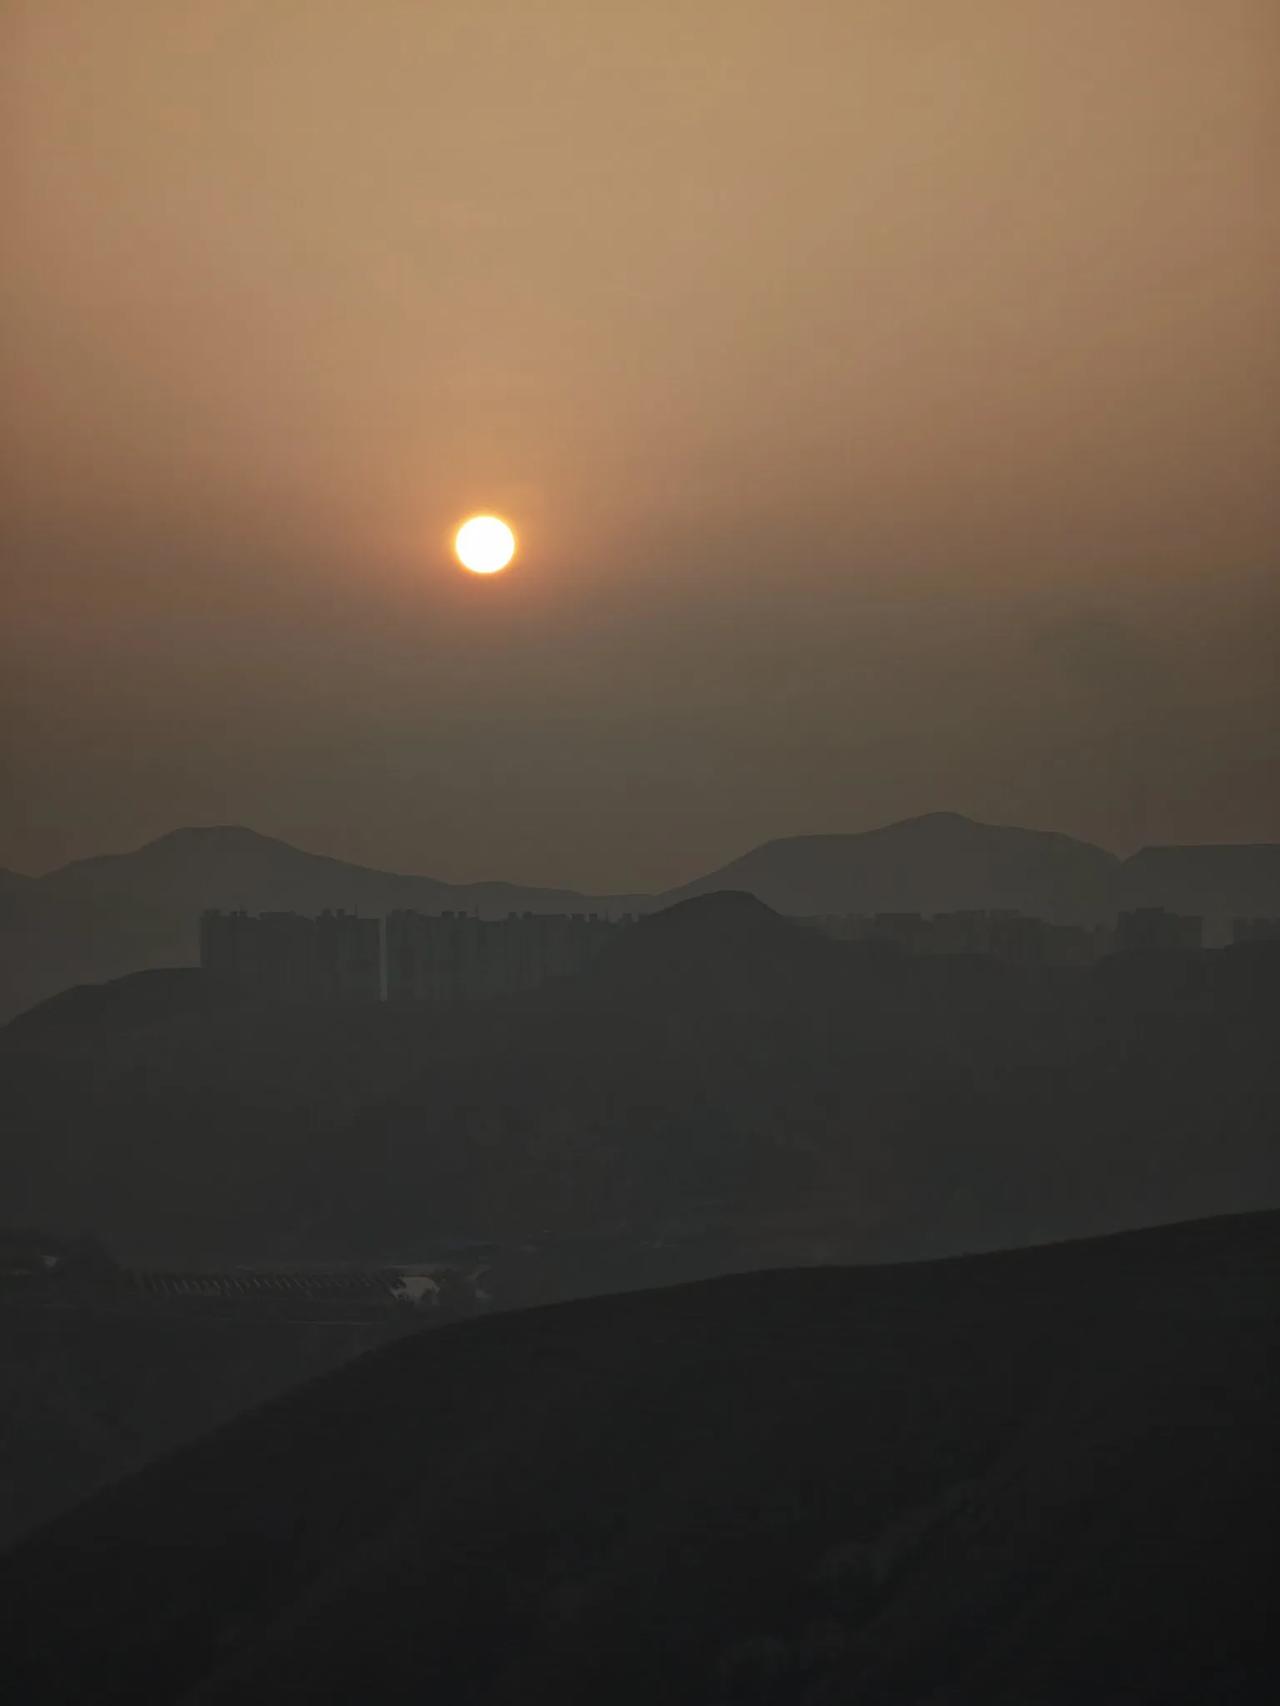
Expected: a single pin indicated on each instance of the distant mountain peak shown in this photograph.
(938, 817)
(185, 840)
(728, 940)
(212, 831)
(734, 907)
(939, 862)
(221, 838)
(980, 827)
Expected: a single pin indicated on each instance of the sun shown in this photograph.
(484, 544)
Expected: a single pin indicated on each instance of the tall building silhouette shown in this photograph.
(1006, 935)
(285, 956)
(1151, 928)
(451, 957)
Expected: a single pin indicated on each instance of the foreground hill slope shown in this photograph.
(1031, 1479)
(89, 1393)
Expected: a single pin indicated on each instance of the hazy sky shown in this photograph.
(886, 393)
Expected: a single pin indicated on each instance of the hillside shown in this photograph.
(1033, 1479)
(12, 885)
(100, 1010)
(104, 917)
(89, 1393)
(1215, 882)
(722, 1077)
(939, 863)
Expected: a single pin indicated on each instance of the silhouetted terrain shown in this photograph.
(939, 863)
(88, 1393)
(102, 918)
(96, 1011)
(724, 1090)
(1033, 1479)
(719, 1074)
(1216, 882)
(13, 885)
(103, 1367)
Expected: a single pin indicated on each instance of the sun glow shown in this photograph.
(484, 544)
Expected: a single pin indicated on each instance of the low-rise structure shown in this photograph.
(1255, 929)
(1007, 935)
(1152, 929)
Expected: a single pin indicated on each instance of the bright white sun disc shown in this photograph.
(484, 544)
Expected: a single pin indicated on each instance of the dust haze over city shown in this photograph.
(640, 853)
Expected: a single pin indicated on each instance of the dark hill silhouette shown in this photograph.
(718, 948)
(234, 866)
(942, 862)
(723, 1081)
(1039, 1477)
(727, 918)
(924, 1106)
(92, 1392)
(1216, 882)
(123, 1003)
(104, 917)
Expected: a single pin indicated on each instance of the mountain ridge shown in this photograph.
(938, 862)
(112, 914)
(242, 838)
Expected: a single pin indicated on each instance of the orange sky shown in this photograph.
(887, 394)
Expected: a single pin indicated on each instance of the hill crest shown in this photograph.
(952, 1472)
(114, 914)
